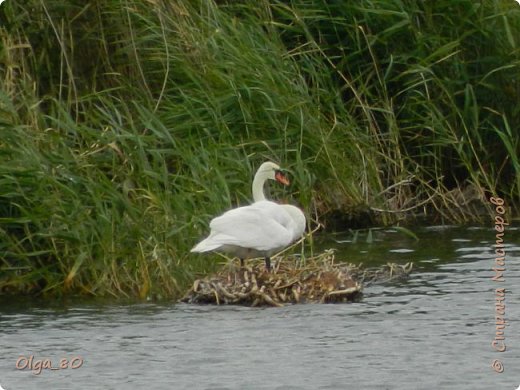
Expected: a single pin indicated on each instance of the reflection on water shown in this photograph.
(432, 331)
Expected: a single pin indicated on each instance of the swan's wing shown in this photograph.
(251, 227)
(274, 211)
(289, 216)
(298, 218)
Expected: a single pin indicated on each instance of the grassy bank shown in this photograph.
(126, 125)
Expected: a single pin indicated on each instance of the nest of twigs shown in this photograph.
(318, 280)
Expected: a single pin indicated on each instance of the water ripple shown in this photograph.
(433, 331)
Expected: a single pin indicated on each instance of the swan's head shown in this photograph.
(272, 171)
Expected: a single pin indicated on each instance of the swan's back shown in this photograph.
(260, 229)
(256, 227)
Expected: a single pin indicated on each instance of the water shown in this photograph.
(432, 331)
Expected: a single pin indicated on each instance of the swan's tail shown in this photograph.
(205, 246)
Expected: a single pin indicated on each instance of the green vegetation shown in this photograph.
(126, 125)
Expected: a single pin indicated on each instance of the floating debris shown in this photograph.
(317, 280)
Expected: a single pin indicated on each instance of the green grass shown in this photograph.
(127, 125)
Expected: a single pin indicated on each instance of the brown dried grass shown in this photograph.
(318, 280)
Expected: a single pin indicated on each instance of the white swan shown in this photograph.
(258, 230)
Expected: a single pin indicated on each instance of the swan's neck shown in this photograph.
(258, 187)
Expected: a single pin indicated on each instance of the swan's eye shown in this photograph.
(281, 178)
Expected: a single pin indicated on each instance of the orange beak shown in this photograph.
(281, 178)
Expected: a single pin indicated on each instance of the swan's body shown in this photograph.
(258, 230)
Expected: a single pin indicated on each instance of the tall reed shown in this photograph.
(127, 125)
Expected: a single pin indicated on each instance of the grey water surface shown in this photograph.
(433, 331)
